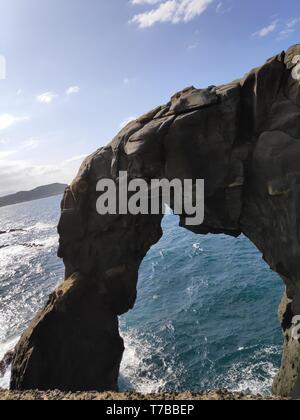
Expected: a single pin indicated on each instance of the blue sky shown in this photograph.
(76, 70)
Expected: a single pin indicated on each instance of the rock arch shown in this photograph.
(243, 139)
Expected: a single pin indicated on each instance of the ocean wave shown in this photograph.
(11, 231)
(255, 377)
(4, 349)
(197, 247)
(9, 256)
(5, 380)
(11, 251)
(144, 367)
(41, 226)
(50, 242)
(189, 289)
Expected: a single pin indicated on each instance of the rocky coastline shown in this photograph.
(217, 395)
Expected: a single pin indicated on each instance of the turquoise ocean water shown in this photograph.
(206, 315)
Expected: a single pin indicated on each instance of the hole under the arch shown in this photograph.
(205, 318)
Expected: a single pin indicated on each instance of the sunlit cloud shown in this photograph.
(169, 11)
(73, 90)
(283, 29)
(6, 153)
(20, 174)
(30, 144)
(76, 158)
(267, 30)
(289, 28)
(8, 120)
(46, 98)
(127, 121)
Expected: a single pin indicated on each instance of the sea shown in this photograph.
(205, 318)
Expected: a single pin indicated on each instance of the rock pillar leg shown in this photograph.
(72, 345)
(287, 382)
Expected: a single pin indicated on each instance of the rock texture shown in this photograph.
(243, 139)
(218, 395)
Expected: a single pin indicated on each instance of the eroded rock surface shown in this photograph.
(243, 139)
(218, 395)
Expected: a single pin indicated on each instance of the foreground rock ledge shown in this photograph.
(110, 396)
(243, 139)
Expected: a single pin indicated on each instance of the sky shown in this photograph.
(78, 70)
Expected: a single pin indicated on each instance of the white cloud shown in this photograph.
(30, 144)
(192, 47)
(267, 30)
(26, 145)
(73, 90)
(76, 158)
(8, 120)
(223, 7)
(145, 1)
(17, 175)
(127, 121)
(173, 11)
(4, 141)
(6, 153)
(219, 7)
(289, 28)
(46, 98)
(292, 23)
(283, 29)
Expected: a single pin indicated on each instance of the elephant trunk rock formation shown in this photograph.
(243, 139)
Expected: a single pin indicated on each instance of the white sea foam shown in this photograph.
(139, 370)
(47, 242)
(10, 254)
(197, 247)
(256, 377)
(5, 348)
(5, 380)
(41, 226)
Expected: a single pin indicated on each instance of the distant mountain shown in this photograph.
(2, 194)
(40, 192)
